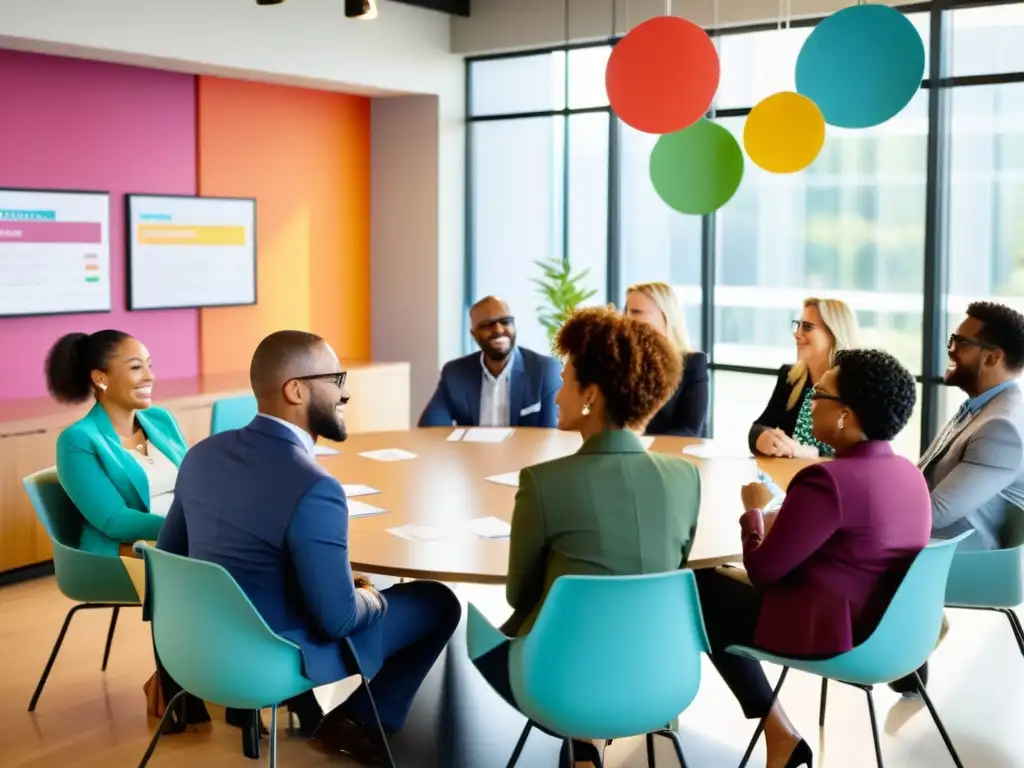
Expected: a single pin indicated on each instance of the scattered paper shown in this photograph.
(646, 440)
(422, 533)
(388, 454)
(361, 509)
(456, 435)
(324, 450)
(487, 435)
(718, 450)
(510, 479)
(355, 489)
(489, 527)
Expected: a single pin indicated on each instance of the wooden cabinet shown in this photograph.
(29, 430)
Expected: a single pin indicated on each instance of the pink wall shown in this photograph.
(71, 124)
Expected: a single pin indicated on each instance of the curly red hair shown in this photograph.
(633, 365)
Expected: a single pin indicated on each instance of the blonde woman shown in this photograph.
(784, 429)
(685, 413)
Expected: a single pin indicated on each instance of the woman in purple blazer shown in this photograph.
(822, 572)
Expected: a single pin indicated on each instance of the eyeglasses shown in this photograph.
(339, 378)
(507, 320)
(817, 394)
(803, 325)
(956, 338)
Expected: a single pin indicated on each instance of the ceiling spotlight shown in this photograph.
(269, 2)
(361, 9)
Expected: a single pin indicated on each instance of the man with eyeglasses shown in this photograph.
(501, 386)
(257, 502)
(975, 467)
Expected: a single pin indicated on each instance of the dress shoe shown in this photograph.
(338, 732)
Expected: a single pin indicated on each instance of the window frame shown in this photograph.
(938, 83)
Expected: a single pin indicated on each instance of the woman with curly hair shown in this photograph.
(611, 508)
(822, 574)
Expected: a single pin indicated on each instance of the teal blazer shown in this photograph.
(106, 482)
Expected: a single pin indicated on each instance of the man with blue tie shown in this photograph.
(501, 386)
(256, 501)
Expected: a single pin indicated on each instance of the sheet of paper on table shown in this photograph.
(355, 489)
(511, 479)
(488, 527)
(324, 450)
(388, 454)
(481, 435)
(647, 440)
(362, 509)
(421, 533)
(713, 449)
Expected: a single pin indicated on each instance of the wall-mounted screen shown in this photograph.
(186, 252)
(54, 252)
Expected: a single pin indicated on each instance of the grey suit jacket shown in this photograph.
(976, 476)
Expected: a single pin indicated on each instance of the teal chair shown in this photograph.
(232, 413)
(91, 580)
(989, 580)
(216, 646)
(902, 642)
(609, 657)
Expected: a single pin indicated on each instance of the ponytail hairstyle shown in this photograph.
(71, 361)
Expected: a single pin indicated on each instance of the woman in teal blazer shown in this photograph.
(118, 463)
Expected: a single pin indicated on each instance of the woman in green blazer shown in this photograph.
(612, 508)
(119, 462)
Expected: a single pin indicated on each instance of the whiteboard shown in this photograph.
(187, 252)
(54, 252)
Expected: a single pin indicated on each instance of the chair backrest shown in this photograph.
(909, 630)
(611, 656)
(232, 413)
(81, 576)
(212, 640)
(987, 578)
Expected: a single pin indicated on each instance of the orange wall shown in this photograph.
(305, 156)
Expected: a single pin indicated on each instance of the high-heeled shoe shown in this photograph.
(801, 756)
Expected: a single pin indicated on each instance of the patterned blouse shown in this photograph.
(803, 433)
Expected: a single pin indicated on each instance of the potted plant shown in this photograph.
(562, 292)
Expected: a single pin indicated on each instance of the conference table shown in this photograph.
(457, 720)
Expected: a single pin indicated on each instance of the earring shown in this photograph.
(842, 420)
(102, 386)
(586, 409)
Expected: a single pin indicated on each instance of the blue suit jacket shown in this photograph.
(107, 484)
(255, 502)
(535, 380)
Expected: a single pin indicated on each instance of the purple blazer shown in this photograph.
(840, 545)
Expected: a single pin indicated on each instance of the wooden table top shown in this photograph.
(446, 484)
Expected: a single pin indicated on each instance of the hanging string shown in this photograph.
(668, 7)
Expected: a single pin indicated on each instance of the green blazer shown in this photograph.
(611, 508)
(106, 482)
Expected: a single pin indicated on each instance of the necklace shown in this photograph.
(141, 448)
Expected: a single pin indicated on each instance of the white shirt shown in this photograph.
(494, 395)
(162, 474)
(303, 435)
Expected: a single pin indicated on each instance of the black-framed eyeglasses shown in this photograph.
(817, 394)
(339, 378)
(507, 320)
(803, 325)
(956, 338)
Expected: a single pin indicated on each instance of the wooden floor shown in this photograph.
(89, 718)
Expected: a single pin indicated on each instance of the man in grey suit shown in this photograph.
(975, 467)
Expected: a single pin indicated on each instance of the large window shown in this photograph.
(906, 222)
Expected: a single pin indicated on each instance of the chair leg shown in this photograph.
(760, 724)
(572, 758)
(160, 726)
(273, 735)
(677, 743)
(938, 722)
(110, 638)
(380, 725)
(520, 745)
(650, 751)
(1015, 625)
(824, 697)
(53, 655)
(874, 727)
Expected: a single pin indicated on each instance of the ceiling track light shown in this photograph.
(269, 2)
(364, 10)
